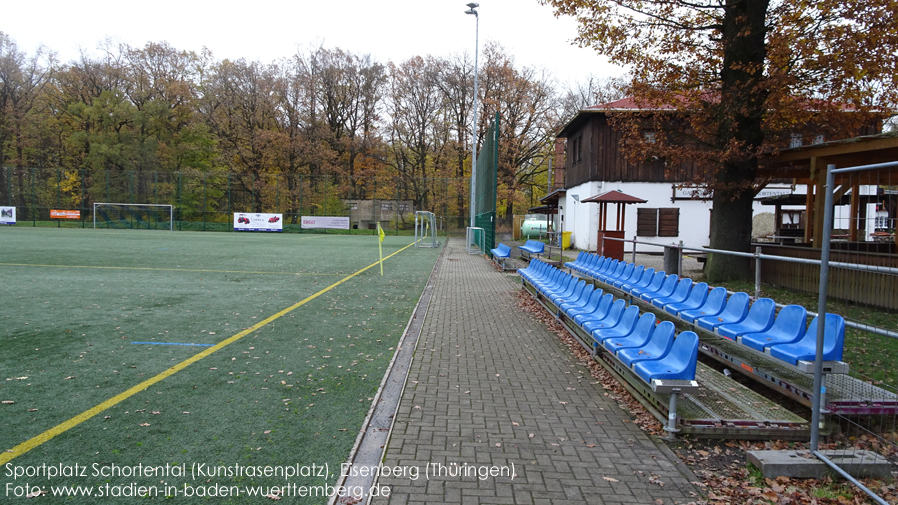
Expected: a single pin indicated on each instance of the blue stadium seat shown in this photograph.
(643, 281)
(626, 323)
(680, 294)
(806, 348)
(634, 276)
(594, 298)
(679, 364)
(611, 318)
(637, 338)
(577, 263)
(581, 300)
(640, 331)
(599, 312)
(657, 346)
(612, 268)
(696, 298)
(655, 284)
(789, 326)
(760, 318)
(666, 289)
(713, 305)
(623, 274)
(735, 311)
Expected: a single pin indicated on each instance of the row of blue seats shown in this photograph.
(785, 335)
(649, 348)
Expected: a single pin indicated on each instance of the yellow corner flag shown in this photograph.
(380, 247)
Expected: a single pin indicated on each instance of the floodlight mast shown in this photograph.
(471, 7)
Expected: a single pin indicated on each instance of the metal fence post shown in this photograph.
(634, 248)
(817, 403)
(680, 258)
(33, 198)
(58, 179)
(758, 272)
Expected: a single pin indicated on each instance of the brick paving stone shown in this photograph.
(485, 376)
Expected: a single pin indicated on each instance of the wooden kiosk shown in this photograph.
(612, 248)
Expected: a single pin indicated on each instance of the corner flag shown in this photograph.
(380, 247)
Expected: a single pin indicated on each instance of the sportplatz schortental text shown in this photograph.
(194, 471)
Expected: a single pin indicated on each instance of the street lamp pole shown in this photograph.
(471, 7)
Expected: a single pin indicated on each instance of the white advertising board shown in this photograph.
(331, 222)
(245, 221)
(7, 215)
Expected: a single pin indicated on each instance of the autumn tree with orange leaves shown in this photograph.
(730, 81)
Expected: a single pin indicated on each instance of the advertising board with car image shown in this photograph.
(244, 221)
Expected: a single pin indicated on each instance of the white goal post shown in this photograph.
(136, 216)
(425, 224)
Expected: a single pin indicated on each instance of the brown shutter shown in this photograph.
(646, 222)
(669, 222)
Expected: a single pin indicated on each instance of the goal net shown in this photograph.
(134, 216)
(425, 229)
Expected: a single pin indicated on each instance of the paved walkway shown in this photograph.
(492, 390)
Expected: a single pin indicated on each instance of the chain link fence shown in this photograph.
(207, 201)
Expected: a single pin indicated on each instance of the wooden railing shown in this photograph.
(865, 287)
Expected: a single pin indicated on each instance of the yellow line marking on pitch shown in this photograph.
(159, 269)
(87, 414)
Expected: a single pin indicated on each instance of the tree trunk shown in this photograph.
(741, 113)
(729, 232)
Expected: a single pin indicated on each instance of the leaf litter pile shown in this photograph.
(720, 466)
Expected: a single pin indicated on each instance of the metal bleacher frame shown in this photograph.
(794, 381)
(716, 408)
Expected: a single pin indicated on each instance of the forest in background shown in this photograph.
(343, 119)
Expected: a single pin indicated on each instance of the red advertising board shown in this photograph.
(65, 214)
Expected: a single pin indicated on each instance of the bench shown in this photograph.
(502, 252)
(534, 247)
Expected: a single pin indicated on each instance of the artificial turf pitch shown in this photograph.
(294, 343)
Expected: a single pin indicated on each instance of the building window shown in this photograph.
(658, 222)
(669, 222)
(796, 140)
(646, 222)
(403, 207)
(354, 206)
(386, 205)
(649, 137)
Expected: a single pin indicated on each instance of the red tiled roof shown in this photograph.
(629, 103)
(614, 196)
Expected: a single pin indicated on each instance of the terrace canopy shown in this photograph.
(612, 248)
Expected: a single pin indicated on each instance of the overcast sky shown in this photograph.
(266, 30)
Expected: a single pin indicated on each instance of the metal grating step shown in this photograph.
(844, 394)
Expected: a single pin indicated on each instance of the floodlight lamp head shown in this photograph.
(473, 6)
(471, 10)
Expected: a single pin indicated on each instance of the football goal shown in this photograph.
(425, 229)
(134, 216)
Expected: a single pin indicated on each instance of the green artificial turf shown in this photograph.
(290, 394)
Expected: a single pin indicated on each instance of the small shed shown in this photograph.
(612, 248)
